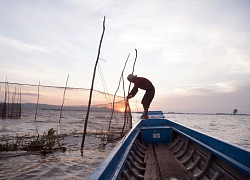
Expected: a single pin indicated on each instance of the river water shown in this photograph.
(72, 164)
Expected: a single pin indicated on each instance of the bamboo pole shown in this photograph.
(126, 103)
(17, 104)
(13, 103)
(63, 98)
(20, 110)
(92, 86)
(116, 92)
(8, 99)
(5, 101)
(133, 69)
(37, 100)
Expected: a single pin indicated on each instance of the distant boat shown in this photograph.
(235, 111)
(158, 148)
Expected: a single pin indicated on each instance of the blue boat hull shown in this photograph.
(200, 156)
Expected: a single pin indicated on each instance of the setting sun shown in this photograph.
(122, 109)
(120, 106)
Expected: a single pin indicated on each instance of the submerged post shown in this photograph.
(37, 100)
(63, 98)
(20, 107)
(92, 86)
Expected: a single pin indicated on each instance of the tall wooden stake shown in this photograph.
(121, 78)
(37, 100)
(8, 98)
(126, 103)
(20, 110)
(5, 102)
(63, 98)
(133, 68)
(92, 86)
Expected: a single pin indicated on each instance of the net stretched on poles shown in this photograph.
(64, 109)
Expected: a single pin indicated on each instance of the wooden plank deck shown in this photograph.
(161, 157)
(152, 169)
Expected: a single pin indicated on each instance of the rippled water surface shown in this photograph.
(71, 164)
(234, 129)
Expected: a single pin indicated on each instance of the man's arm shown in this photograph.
(133, 92)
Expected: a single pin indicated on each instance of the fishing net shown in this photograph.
(63, 108)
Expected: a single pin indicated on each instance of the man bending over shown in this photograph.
(145, 84)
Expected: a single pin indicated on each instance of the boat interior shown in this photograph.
(180, 159)
(161, 149)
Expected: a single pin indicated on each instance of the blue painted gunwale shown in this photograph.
(111, 167)
(236, 156)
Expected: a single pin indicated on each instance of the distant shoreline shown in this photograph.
(30, 106)
(231, 114)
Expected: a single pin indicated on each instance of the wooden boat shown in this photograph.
(158, 148)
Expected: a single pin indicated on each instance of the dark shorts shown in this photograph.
(148, 97)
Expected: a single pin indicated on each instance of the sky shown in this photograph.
(196, 53)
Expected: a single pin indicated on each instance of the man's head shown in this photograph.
(131, 77)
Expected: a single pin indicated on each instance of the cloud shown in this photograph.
(217, 88)
(228, 96)
(31, 94)
(13, 43)
(188, 91)
(190, 50)
(227, 86)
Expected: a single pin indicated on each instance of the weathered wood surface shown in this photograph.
(159, 156)
(151, 164)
